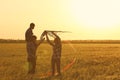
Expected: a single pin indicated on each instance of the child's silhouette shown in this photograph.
(57, 46)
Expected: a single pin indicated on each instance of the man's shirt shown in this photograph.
(28, 35)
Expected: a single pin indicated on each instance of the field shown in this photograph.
(93, 62)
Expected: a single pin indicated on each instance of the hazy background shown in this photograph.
(86, 19)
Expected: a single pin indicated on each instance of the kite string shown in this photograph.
(71, 45)
(74, 58)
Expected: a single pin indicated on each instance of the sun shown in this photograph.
(95, 14)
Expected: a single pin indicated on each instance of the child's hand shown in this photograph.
(45, 32)
(42, 39)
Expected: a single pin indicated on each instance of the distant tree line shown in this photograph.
(66, 41)
(11, 41)
(92, 41)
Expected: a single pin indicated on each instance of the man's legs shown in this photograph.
(29, 58)
(58, 65)
(33, 65)
(29, 66)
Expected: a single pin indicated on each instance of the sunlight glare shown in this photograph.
(94, 13)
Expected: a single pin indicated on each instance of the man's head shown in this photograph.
(32, 25)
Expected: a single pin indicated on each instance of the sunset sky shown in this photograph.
(85, 19)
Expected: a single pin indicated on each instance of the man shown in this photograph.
(29, 46)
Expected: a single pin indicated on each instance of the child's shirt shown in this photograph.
(57, 50)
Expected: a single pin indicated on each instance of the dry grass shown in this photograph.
(94, 62)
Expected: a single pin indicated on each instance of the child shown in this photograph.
(56, 53)
(32, 56)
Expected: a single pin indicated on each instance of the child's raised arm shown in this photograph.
(49, 40)
(55, 35)
(41, 41)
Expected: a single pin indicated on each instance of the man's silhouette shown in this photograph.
(29, 47)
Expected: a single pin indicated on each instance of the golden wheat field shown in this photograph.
(93, 62)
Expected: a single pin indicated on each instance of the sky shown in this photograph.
(85, 19)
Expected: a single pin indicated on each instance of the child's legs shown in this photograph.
(53, 65)
(58, 65)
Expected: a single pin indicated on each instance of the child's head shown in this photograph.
(34, 38)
